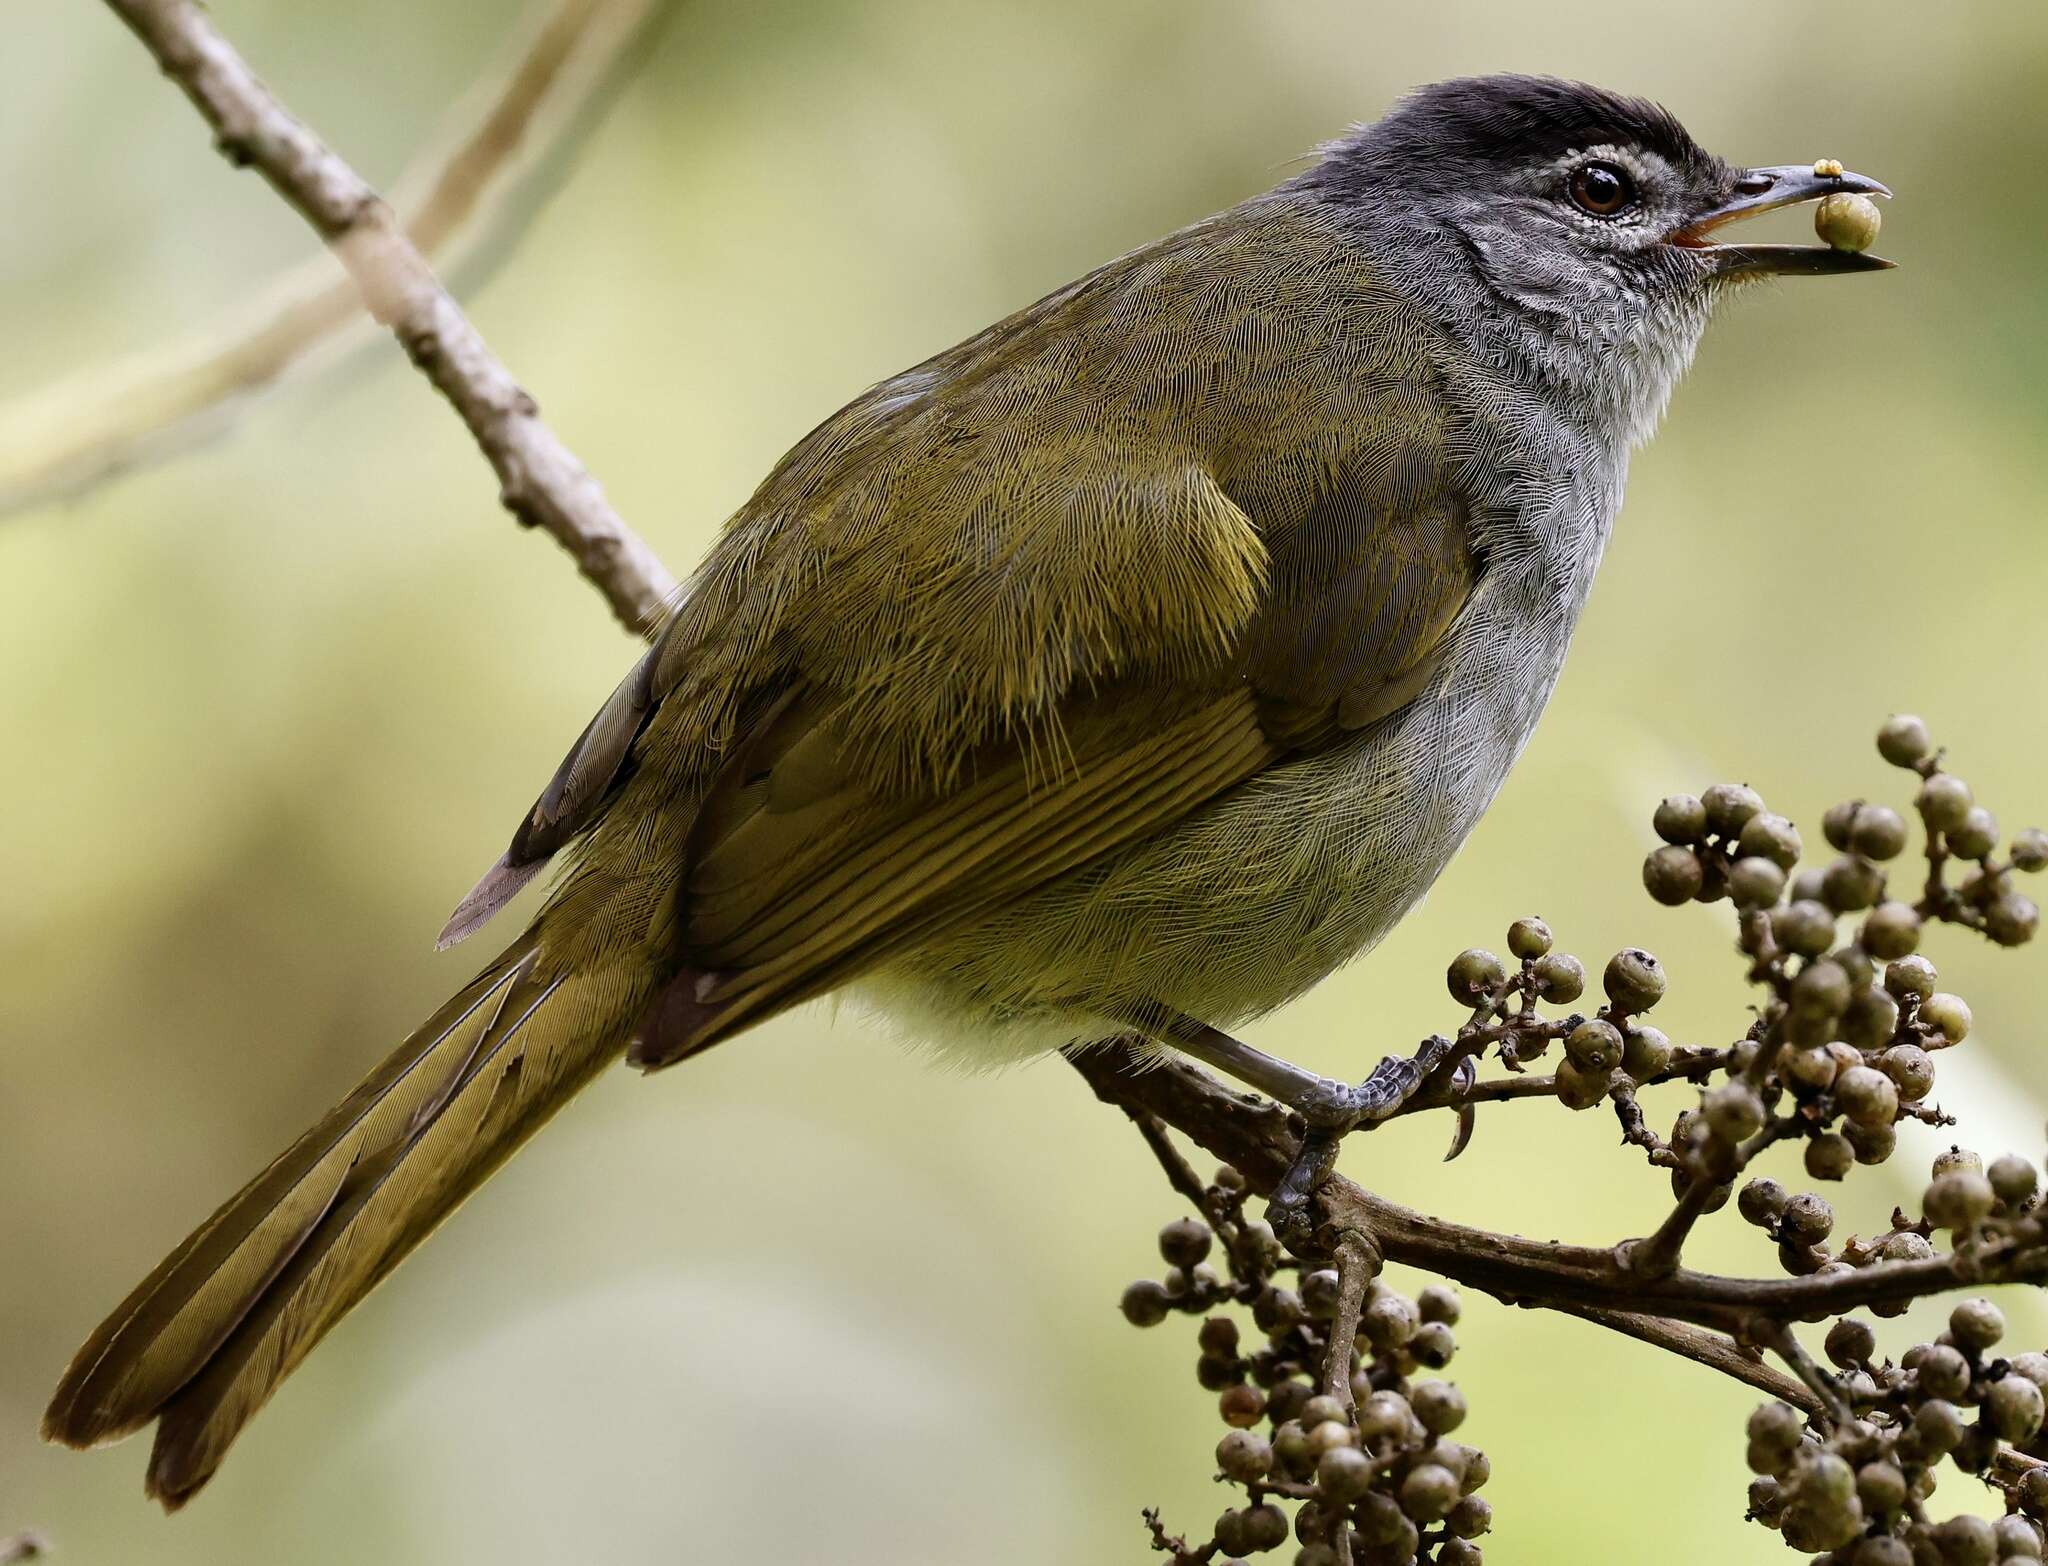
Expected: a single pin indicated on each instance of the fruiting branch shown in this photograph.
(1839, 1049)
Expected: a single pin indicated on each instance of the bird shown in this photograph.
(1127, 667)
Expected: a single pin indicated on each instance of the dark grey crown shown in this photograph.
(1437, 135)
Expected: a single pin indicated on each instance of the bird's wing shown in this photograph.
(1037, 598)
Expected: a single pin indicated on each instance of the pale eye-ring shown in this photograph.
(1602, 189)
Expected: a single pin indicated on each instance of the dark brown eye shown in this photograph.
(1602, 189)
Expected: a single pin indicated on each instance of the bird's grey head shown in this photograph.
(1562, 231)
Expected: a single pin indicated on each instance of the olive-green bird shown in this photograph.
(1133, 664)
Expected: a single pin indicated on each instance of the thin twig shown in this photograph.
(1777, 1337)
(462, 202)
(1657, 1254)
(1180, 1174)
(1702, 1347)
(1358, 1263)
(540, 480)
(1690, 1064)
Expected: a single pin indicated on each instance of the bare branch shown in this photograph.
(540, 480)
(1358, 1263)
(1702, 1347)
(462, 200)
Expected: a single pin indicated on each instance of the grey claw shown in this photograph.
(1462, 1080)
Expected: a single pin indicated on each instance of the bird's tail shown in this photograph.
(205, 1339)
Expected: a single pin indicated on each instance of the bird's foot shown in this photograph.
(1333, 1109)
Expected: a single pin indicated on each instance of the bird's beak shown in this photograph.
(1764, 190)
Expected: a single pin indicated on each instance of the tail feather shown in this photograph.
(204, 1340)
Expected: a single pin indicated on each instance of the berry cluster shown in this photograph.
(1369, 1468)
(1853, 1486)
(1839, 1050)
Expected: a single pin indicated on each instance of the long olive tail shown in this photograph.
(207, 1337)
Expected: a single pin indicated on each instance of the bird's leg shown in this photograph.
(1331, 1108)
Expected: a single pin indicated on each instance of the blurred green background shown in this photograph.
(268, 709)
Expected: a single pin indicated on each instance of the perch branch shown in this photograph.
(1254, 1135)
(540, 480)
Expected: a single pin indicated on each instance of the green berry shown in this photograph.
(1881, 1488)
(1967, 1541)
(1528, 939)
(1803, 927)
(1870, 1144)
(1910, 977)
(1891, 930)
(2013, 1407)
(1473, 975)
(1594, 1047)
(1956, 1160)
(1729, 807)
(1145, 1303)
(1184, 1242)
(1244, 1456)
(1904, 740)
(2030, 849)
(1471, 1517)
(1769, 836)
(1680, 819)
(1322, 1409)
(1829, 1156)
(1388, 1321)
(1877, 832)
(1937, 1426)
(1776, 1426)
(2018, 1539)
(1976, 835)
(1821, 991)
(1958, 1201)
(1944, 800)
(1428, 1493)
(1850, 883)
(1838, 824)
(1344, 1474)
(2033, 1493)
(1867, 1095)
(1634, 980)
(1433, 1345)
(1673, 875)
(1733, 1111)
(1439, 1405)
(1807, 1219)
(1948, 1015)
(2013, 1180)
(2012, 920)
(1851, 1342)
(1761, 1201)
(1645, 1051)
(1870, 1020)
(1976, 1324)
(1560, 978)
(1755, 883)
(1242, 1405)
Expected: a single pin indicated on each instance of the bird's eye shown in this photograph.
(1602, 189)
